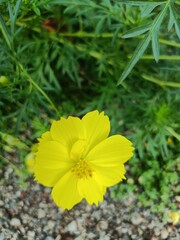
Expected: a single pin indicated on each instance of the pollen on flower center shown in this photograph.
(82, 169)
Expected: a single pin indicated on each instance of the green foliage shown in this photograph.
(153, 171)
(151, 30)
(60, 58)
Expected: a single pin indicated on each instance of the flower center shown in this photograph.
(81, 167)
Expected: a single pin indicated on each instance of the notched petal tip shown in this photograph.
(103, 114)
(45, 137)
(91, 190)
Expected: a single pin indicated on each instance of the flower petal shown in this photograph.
(47, 177)
(97, 127)
(52, 162)
(65, 193)
(67, 131)
(90, 190)
(45, 137)
(110, 152)
(109, 176)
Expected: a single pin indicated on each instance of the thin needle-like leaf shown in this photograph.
(16, 10)
(173, 17)
(5, 31)
(177, 29)
(155, 45)
(144, 44)
(135, 58)
(136, 31)
(14, 16)
(148, 9)
(141, 3)
(11, 17)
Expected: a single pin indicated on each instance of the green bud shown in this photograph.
(3, 80)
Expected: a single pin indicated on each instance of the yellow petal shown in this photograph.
(77, 150)
(30, 160)
(65, 193)
(52, 162)
(52, 155)
(67, 131)
(109, 176)
(97, 127)
(107, 159)
(91, 190)
(47, 177)
(45, 137)
(174, 216)
(110, 152)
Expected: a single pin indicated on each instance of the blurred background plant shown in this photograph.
(60, 58)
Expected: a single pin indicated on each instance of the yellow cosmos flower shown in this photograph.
(78, 159)
(175, 217)
(30, 159)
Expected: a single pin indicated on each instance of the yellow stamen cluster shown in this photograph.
(82, 169)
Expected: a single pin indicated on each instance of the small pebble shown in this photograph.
(157, 231)
(103, 225)
(96, 215)
(164, 233)
(49, 238)
(106, 237)
(91, 235)
(33, 215)
(177, 198)
(30, 235)
(123, 230)
(2, 236)
(51, 224)
(72, 227)
(41, 213)
(136, 219)
(15, 222)
(151, 225)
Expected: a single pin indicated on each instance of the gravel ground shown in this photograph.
(31, 214)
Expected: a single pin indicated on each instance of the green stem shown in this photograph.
(82, 34)
(169, 43)
(161, 83)
(110, 35)
(162, 57)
